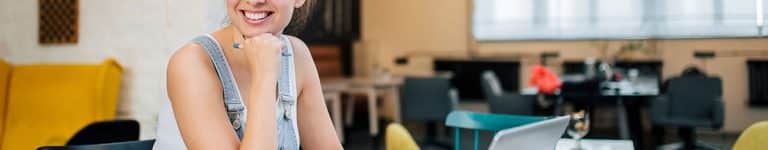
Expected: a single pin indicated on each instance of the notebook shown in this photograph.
(541, 135)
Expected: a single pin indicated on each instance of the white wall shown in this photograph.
(140, 34)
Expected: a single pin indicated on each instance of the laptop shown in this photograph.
(541, 135)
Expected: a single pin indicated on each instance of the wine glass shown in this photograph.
(578, 127)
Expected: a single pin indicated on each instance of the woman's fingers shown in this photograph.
(263, 41)
(263, 54)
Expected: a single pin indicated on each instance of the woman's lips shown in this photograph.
(256, 17)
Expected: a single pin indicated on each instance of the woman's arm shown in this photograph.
(263, 55)
(315, 127)
(195, 95)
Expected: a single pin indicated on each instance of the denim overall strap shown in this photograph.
(232, 98)
(288, 135)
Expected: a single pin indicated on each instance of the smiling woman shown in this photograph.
(262, 94)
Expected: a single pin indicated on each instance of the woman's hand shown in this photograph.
(263, 54)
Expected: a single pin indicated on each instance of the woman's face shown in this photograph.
(253, 17)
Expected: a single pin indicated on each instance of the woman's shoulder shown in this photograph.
(190, 57)
(302, 52)
(189, 53)
(298, 44)
(305, 65)
(191, 65)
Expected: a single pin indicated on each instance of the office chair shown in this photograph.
(126, 145)
(427, 99)
(692, 100)
(112, 131)
(106, 132)
(477, 122)
(503, 102)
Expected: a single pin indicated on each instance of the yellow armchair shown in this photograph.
(5, 73)
(754, 137)
(46, 104)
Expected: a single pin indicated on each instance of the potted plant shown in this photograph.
(633, 50)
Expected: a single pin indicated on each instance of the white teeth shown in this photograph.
(255, 15)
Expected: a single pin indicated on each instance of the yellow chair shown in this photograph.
(754, 137)
(398, 138)
(46, 104)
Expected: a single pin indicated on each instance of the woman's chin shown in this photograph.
(251, 31)
(256, 33)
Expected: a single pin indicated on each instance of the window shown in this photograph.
(762, 11)
(616, 19)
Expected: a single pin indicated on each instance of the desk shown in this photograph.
(390, 88)
(595, 144)
(645, 86)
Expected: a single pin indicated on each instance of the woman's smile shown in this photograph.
(256, 17)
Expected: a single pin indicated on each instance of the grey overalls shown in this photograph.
(287, 131)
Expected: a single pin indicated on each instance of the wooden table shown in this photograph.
(373, 88)
(644, 86)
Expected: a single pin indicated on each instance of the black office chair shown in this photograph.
(504, 102)
(106, 132)
(111, 131)
(126, 145)
(692, 100)
(428, 99)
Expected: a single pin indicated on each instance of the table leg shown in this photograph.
(395, 95)
(350, 110)
(373, 112)
(622, 118)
